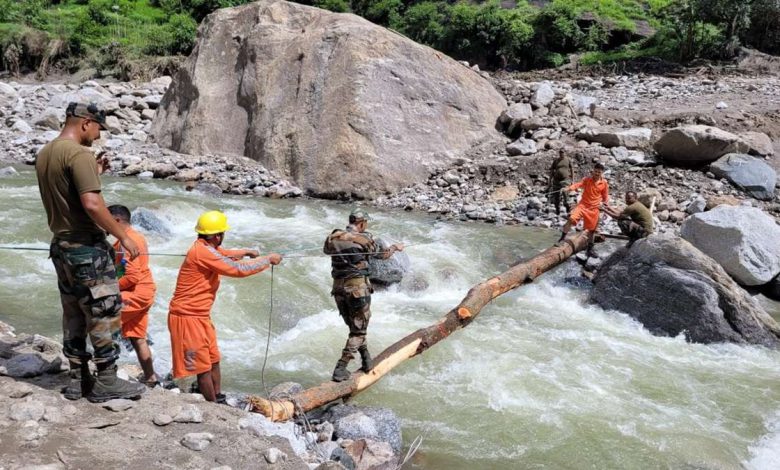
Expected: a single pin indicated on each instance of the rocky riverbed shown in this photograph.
(616, 120)
(40, 429)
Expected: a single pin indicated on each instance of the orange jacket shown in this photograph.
(593, 192)
(138, 278)
(198, 281)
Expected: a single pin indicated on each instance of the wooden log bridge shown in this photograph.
(422, 339)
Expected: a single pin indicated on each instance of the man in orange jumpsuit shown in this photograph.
(595, 191)
(193, 337)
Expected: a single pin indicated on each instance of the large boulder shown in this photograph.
(8, 96)
(696, 145)
(759, 143)
(747, 173)
(744, 240)
(391, 270)
(699, 299)
(637, 137)
(332, 101)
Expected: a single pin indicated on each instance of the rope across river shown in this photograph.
(289, 254)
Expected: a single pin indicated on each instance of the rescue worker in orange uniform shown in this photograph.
(137, 288)
(595, 191)
(194, 347)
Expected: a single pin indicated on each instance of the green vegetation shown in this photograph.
(119, 36)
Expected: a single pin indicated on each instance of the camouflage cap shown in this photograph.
(87, 111)
(359, 214)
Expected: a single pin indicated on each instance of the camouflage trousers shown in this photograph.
(353, 299)
(90, 299)
(557, 196)
(632, 230)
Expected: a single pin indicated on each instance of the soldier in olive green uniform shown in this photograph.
(561, 176)
(84, 260)
(635, 221)
(352, 250)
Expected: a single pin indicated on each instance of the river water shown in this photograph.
(540, 379)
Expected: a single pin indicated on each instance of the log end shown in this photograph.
(275, 410)
(464, 313)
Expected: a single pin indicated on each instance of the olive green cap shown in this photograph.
(359, 214)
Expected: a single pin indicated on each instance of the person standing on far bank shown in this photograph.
(561, 176)
(353, 249)
(84, 260)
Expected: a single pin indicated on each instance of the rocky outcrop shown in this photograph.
(744, 240)
(699, 299)
(338, 104)
(747, 173)
(29, 355)
(696, 145)
(633, 138)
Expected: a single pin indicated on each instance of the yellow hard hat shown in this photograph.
(212, 222)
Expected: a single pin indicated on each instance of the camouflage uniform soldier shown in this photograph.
(84, 260)
(561, 176)
(354, 247)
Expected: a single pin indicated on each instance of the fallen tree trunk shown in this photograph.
(422, 339)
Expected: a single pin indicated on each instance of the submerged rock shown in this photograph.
(391, 270)
(699, 299)
(149, 221)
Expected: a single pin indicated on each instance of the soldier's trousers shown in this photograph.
(632, 230)
(90, 299)
(353, 299)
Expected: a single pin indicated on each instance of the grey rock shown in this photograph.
(50, 118)
(758, 143)
(140, 136)
(19, 390)
(127, 101)
(118, 405)
(325, 432)
(721, 105)
(742, 239)
(114, 144)
(370, 454)
(150, 222)
(700, 300)
(30, 410)
(637, 137)
(343, 458)
(189, 414)
(259, 425)
(8, 96)
(197, 441)
(349, 69)
(521, 146)
(583, 105)
(153, 101)
(391, 270)
(379, 424)
(21, 126)
(113, 125)
(147, 114)
(84, 95)
(747, 173)
(162, 419)
(208, 188)
(163, 169)
(515, 115)
(30, 363)
(696, 206)
(274, 455)
(696, 144)
(128, 115)
(331, 465)
(145, 175)
(543, 95)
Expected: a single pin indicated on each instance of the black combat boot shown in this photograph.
(365, 357)
(340, 373)
(108, 387)
(81, 381)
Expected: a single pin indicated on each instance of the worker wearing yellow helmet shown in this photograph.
(193, 337)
